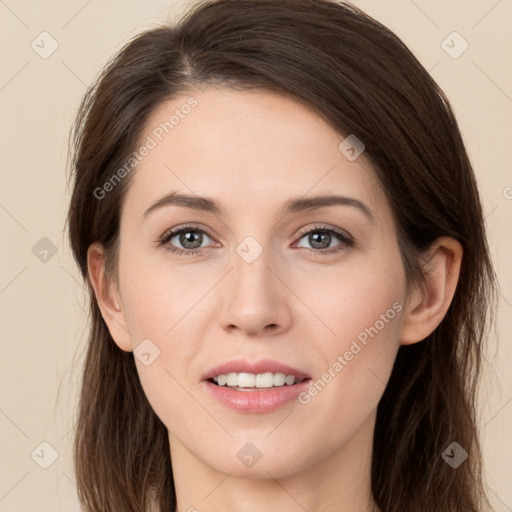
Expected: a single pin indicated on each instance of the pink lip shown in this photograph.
(244, 366)
(255, 400)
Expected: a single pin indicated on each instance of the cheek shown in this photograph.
(159, 301)
(363, 312)
(362, 306)
(359, 301)
(160, 314)
(163, 312)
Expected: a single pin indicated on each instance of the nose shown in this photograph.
(255, 300)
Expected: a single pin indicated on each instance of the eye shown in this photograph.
(190, 238)
(320, 239)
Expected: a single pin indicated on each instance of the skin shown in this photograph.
(252, 151)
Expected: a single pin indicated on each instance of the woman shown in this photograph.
(288, 270)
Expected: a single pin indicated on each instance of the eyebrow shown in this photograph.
(293, 205)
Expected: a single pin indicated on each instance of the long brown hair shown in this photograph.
(362, 79)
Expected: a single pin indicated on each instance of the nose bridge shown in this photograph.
(251, 274)
(254, 298)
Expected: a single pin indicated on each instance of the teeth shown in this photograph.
(246, 380)
(232, 379)
(280, 379)
(265, 380)
(251, 380)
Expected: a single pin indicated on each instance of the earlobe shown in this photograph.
(428, 306)
(107, 297)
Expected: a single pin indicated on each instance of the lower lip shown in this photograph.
(256, 401)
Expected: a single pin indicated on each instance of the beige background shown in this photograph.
(42, 303)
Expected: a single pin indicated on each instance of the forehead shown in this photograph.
(247, 148)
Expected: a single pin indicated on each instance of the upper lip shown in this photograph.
(256, 367)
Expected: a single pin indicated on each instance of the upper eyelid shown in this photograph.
(178, 230)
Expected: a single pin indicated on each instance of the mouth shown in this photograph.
(255, 387)
(244, 381)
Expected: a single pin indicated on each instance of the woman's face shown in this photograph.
(258, 287)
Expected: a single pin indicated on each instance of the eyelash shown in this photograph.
(346, 240)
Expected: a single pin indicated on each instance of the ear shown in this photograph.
(107, 297)
(427, 306)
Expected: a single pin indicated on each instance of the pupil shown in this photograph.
(316, 236)
(189, 237)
